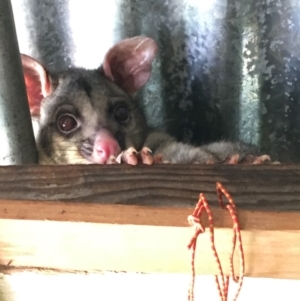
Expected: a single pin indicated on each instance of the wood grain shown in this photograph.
(250, 220)
(144, 249)
(125, 218)
(98, 237)
(266, 187)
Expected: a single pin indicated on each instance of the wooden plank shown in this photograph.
(266, 187)
(96, 224)
(143, 215)
(141, 239)
(145, 249)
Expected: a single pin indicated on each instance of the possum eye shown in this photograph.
(121, 114)
(67, 123)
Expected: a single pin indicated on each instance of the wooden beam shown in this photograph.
(127, 218)
(266, 187)
(141, 239)
(142, 215)
(144, 249)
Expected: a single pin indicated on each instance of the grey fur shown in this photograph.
(91, 97)
(89, 93)
(92, 108)
(177, 152)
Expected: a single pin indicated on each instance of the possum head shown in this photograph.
(85, 116)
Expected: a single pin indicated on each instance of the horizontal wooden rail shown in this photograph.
(123, 218)
(266, 187)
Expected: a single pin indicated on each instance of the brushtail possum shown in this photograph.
(89, 116)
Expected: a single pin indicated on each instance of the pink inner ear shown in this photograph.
(129, 62)
(37, 83)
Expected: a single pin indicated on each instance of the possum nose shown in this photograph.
(105, 149)
(105, 146)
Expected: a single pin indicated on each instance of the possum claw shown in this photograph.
(146, 156)
(129, 156)
(132, 157)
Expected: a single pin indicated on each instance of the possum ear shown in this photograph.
(129, 62)
(37, 81)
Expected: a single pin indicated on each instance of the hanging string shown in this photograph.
(194, 220)
(236, 236)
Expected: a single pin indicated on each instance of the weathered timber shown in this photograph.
(77, 246)
(265, 187)
(250, 220)
(123, 218)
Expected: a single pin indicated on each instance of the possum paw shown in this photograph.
(261, 159)
(249, 160)
(234, 159)
(146, 156)
(256, 160)
(129, 156)
(132, 157)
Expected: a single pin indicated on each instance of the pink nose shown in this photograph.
(104, 147)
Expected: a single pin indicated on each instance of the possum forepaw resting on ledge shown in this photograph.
(132, 157)
(250, 160)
